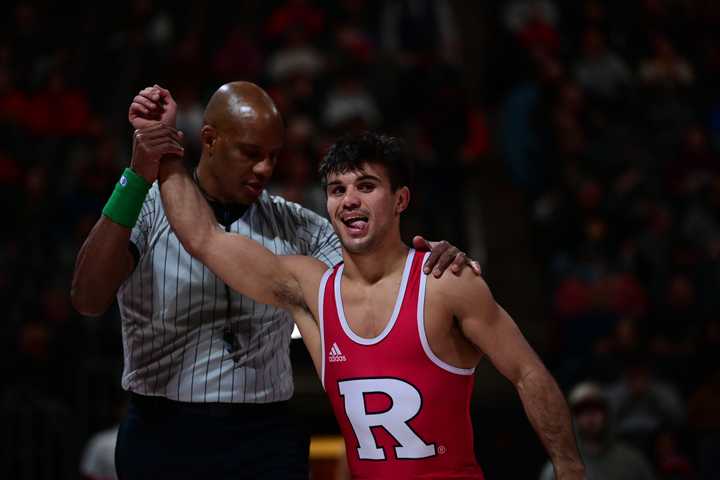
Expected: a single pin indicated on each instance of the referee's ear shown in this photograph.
(208, 135)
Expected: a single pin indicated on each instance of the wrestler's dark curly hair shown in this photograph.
(350, 153)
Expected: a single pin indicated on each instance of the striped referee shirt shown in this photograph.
(186, 335)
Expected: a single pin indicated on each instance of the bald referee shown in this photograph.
(208, 369)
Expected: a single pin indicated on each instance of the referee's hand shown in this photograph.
(152, 105)
(151, 144)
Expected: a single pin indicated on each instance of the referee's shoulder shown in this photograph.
(283, 207)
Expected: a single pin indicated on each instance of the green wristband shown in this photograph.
(127, 199)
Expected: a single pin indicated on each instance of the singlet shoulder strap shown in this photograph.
(324, 285)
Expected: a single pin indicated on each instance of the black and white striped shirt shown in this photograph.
(188, 337)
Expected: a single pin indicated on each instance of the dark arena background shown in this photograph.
(572, 147)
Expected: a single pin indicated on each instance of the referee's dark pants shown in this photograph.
(161, 438)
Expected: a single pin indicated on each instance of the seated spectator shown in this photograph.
(352, 34)
(604, 456)
(537, 34)
(642, 405)
(519, 13)
(612, 349)
(417, 31)
(600, 70)
(666, 68)
(350, 105)
(297, 57)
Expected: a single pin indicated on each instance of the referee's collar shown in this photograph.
(225, 213)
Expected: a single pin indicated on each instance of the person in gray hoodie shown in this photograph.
(605, 457)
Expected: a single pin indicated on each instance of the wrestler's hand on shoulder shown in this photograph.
(444, 255)
(152, 105)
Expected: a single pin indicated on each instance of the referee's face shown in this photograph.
(242, 157)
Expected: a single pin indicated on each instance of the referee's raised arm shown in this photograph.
(108, 256)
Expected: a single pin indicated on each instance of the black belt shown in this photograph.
(153, 405)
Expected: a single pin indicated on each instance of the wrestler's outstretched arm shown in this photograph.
(289, 282)
(489, 327)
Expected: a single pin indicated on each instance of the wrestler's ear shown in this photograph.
(402, 200)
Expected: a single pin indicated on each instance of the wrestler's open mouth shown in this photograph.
(355, 221)
(356, 224)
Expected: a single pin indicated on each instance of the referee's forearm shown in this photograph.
(101, 266)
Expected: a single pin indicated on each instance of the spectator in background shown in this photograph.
(642, 405)
(600, 70)
(350, 107)
(519, 13)
(353, 36)
(297, 56)
(521, 134)
(418, 37)
(666, 68)
(604, 456)
(537, 32)
(415, 32)
(611, 350)
(294, 69)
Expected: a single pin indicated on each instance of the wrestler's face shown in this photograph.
(363, 208)
(242, 157)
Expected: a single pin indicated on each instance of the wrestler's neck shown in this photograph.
(383, 260)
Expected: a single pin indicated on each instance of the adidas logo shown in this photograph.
(336, 355)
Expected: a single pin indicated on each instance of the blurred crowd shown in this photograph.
(605, 114)
(609, 123)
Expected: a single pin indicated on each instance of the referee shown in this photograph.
(208, 369)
